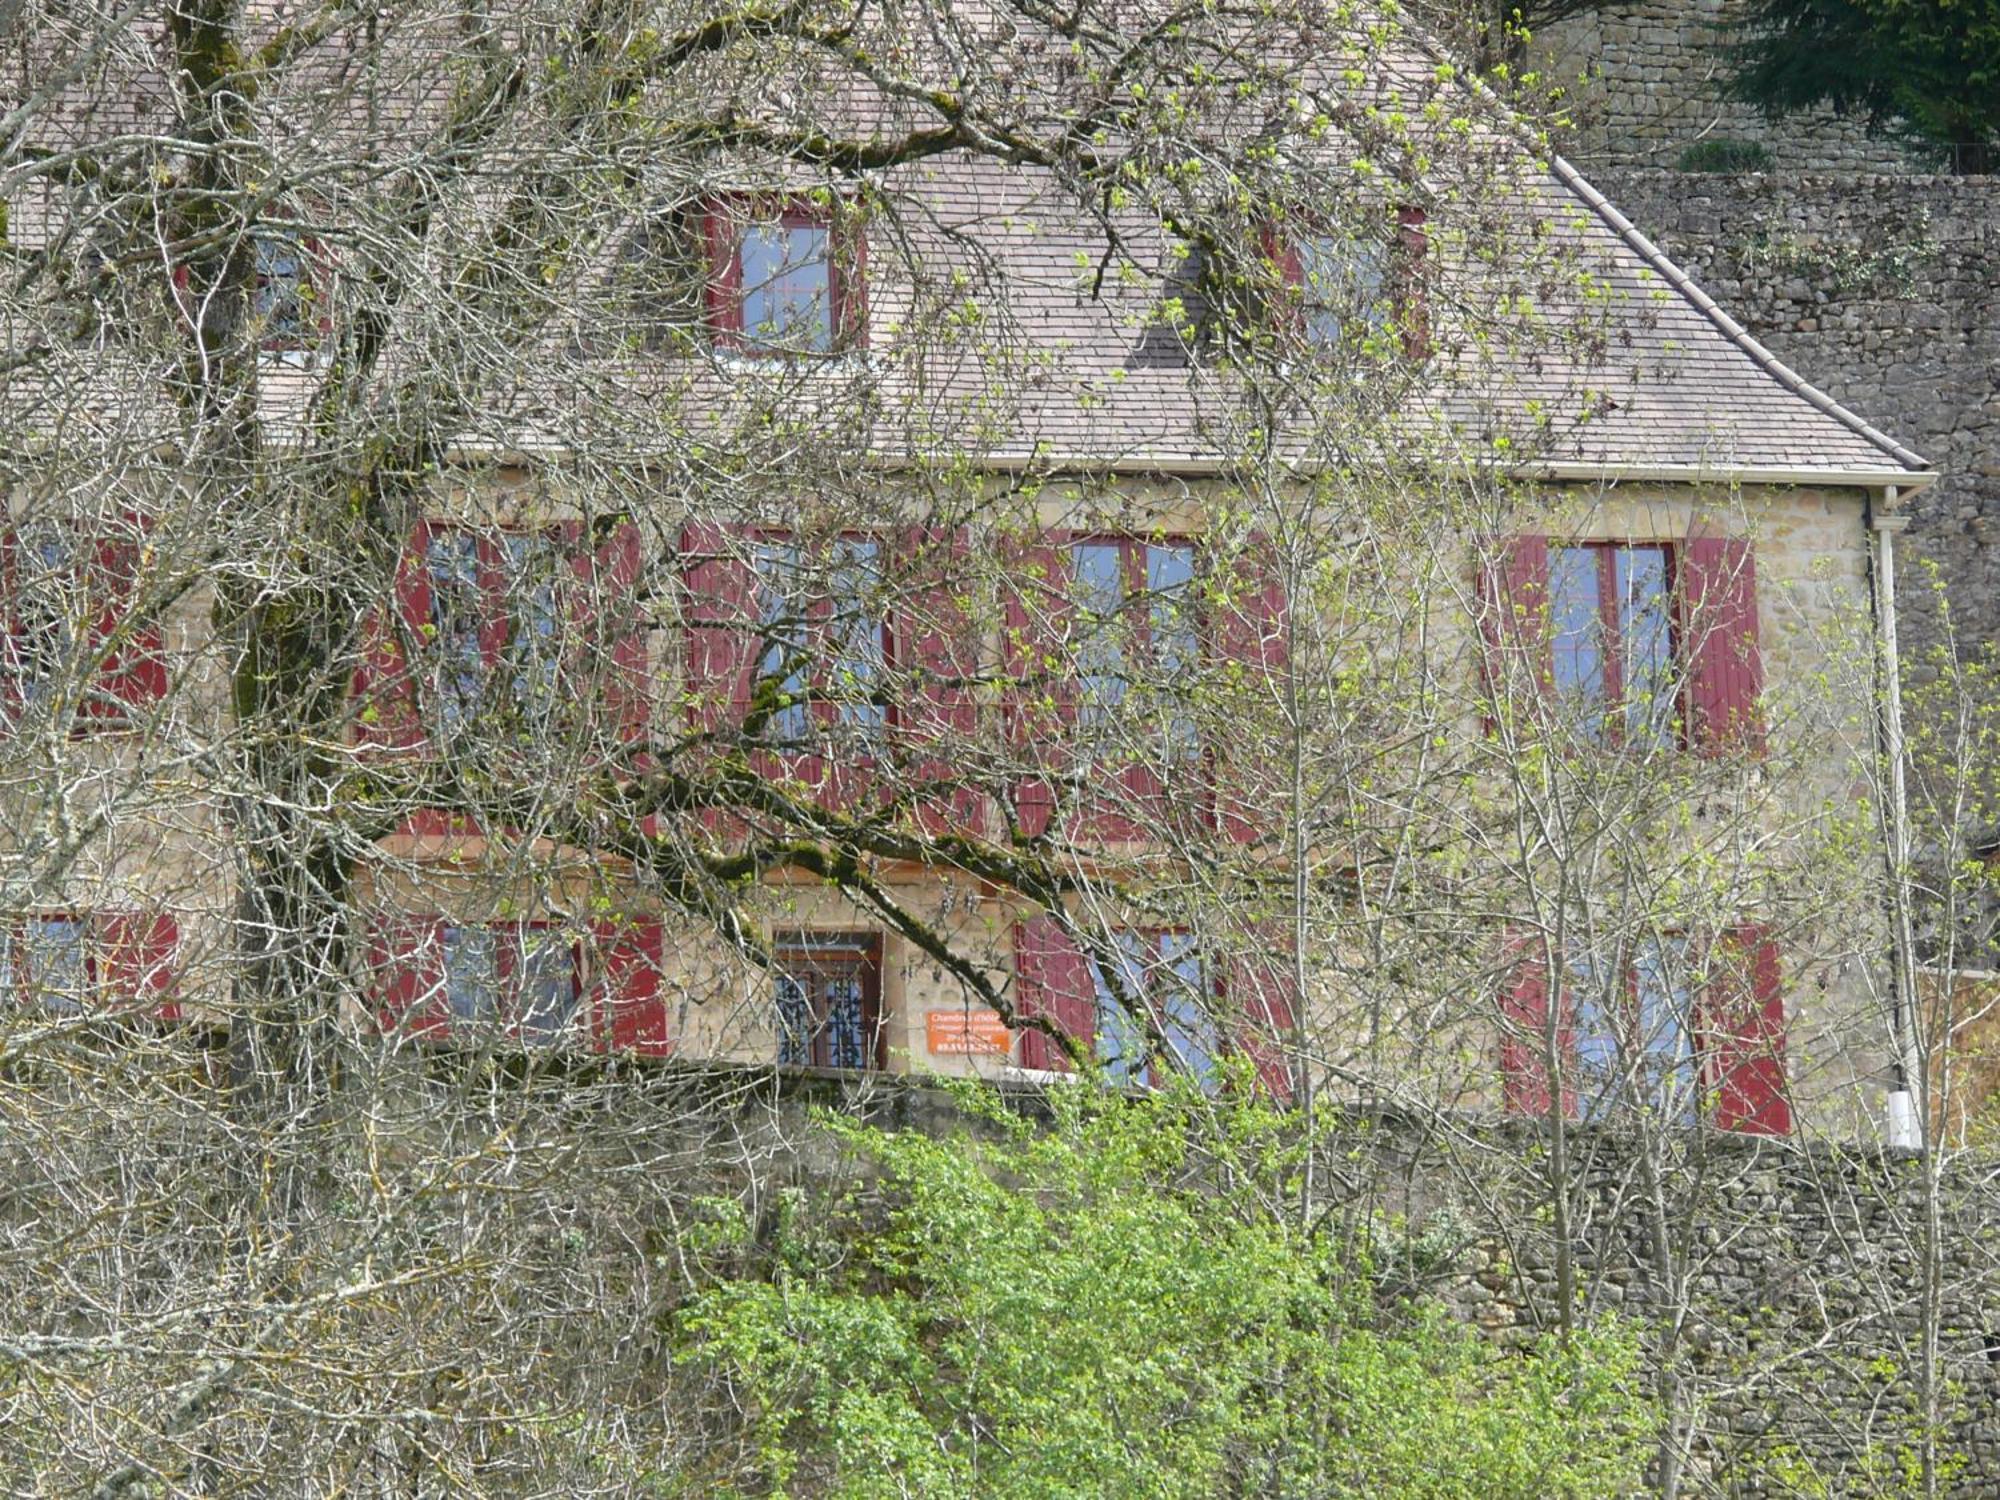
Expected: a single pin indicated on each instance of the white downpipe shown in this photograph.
(1905, 1125)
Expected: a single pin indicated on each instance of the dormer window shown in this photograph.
(784, 279)
(1354, 290)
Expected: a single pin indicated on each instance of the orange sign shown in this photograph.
(966, 1033)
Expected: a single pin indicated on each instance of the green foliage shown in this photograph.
(1927, 69)
(1718, 154)
(1098, 1310)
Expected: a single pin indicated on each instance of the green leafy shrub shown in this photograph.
(1100, 1310)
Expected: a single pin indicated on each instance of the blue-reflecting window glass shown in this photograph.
(55, 963)
(1576, 631)
(1098, 593)
(1174, 641)
(1664, 1015)
(1595, 1006)
(534, 625)
(1344, 288)
(782, 610)
(458, 611)
(471, 974)
(547, 984)
(1121, 1040)
(278, 302)
(1645, 644)
(857, 646)
(787, 288)
(47, 599)
(1186, 1013)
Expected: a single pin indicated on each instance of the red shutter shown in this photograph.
(133, 671)
(628, 1011)
(1040, 696)
(1052, 978)
(1514, 612)
(385, 684)
(1411, 306)
(138, 955)
(1249, 632)
(1724, 666)
(1265, 992)
(937, 651)
(406, 967)
(1742, 1037)
(1524, 1039)
(721, 617)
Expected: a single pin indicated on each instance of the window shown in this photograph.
(45, 963)
(824, 635)
(521, 977)
(1681, 1028)
(1137, 642)
(66, 964)
(1162, 973)
(1612, 641)
(785, 279)
(495, 624)
(828, 991)
(283, 291)
(72, 644)
(1353, 291)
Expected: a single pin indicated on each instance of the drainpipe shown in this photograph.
(1904, 1126)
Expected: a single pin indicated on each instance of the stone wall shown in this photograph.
(1883, 290)
(1643, 81)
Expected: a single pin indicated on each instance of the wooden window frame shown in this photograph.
(725, 219)
(807, 950)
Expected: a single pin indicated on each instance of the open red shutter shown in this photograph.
(721, 618)
(385, 684)
(628, 1011)
(1040, 697)
(133, 671)
(1524, 1038)
(1412, 307)
(1514, 607)
(406, 968)
(1743, 1036)
(137, 962)
(1052, 978)
(1249, 634)
(1724, 665)
(1265, 994)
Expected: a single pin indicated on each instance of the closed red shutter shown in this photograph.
(1524, 1036)
(1249, 630)
(1039, 702)
(1052, 979)
(133, 672)
(1514, 614)
(1265, 994)
(627, 1008)
(385, 684)
(1725, 668)
(721, 617)
(406, 968)
(1742, 1036)
(138, 953)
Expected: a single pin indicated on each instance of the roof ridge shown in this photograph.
(1732, 330)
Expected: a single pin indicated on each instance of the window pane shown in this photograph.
(1343, 285)
(277, 302)
(1577, 636)
(534, 645)
(471, 974)
(1187, 1016)
(781, 610)
(456, 615)
(859, 638)
(1646, 641)
(1660, 977)
(787, 288)
(547, 984)
(58, 970)
(795, 1023)
(1097, 589)
(846, 1023)
(1597, 1008)
(1121, 1040)
(1176, 645)
(48, 587)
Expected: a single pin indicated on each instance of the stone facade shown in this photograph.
(1884, 291)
